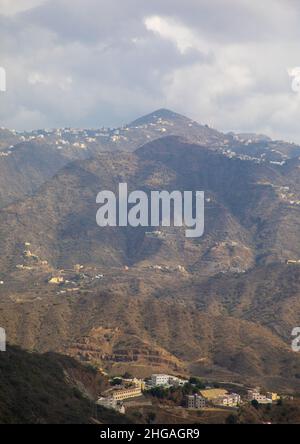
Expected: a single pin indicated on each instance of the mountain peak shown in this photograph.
(161, 113)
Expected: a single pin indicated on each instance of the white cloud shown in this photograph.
(182, 36)
(12, 7)
(61, 82)
(92, 62)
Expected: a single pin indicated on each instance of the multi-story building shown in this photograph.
(160, 379)
(257, 396)
(230, 400)
(195, 402)
(126, 393)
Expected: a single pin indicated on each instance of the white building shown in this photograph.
(230, 400)
(257, 396)
(160, 379)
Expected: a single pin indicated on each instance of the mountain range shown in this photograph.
(140, 299)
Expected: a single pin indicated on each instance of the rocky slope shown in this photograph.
(27, 160)
(251, 212)
(221, 305)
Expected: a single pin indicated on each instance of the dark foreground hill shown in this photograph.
(48, 389)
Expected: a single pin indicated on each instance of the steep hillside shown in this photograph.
(64, 209)
(27, 160)
(148, 321)
(27, 165)
(8, 138)
(49, 389)
(222, 305)
(249, 215)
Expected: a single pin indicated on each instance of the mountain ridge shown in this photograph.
(134, 298)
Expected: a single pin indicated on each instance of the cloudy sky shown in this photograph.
(88, 63)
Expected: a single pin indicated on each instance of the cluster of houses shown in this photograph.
(30, 259)
(77, 138)
(114, 398)
(256, 395)
(221, 398)
(231, 154)
(284, 193)
(74, 278)
(128, 389)
(216, 397)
